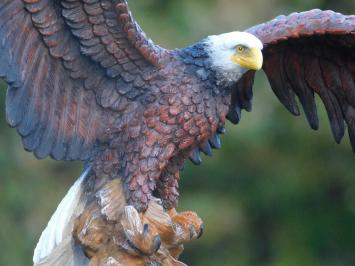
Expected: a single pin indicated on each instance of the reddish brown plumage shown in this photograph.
(86, 84)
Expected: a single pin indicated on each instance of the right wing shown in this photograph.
(305, 54)
(72, 66)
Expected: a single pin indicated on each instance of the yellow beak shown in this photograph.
(252, 59)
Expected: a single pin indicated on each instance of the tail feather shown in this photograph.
(67, 253)
(56, 245)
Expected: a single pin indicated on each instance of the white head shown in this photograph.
(234, 53)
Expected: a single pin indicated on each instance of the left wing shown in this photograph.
(307, 53)
(73, 67)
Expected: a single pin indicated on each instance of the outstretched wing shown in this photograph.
(71, 66)
(307, 53)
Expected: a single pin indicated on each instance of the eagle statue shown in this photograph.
(85, 83)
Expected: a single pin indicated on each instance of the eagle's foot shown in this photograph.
(174, 229)
(190, 225)
(112, 233)
(141, 239)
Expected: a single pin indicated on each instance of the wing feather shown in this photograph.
(64, 62)
(307, 53)
(280, 83)
(296, 79)
(108, 34)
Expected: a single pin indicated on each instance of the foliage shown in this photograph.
(276, 194)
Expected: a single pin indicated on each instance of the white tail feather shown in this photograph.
(61, 223)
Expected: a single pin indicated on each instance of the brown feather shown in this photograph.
(312, 52)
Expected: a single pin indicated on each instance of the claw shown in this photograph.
(140, 239)
(202, 228)
(157, 243)
(145, 229)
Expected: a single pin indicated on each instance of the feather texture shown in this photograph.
(307, 53)
(60, 225)
(63, 61)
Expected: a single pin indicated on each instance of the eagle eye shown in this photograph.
(240, 48)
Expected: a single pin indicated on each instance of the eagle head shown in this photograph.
(234, 53)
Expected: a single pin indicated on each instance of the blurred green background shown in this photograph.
(277, 193)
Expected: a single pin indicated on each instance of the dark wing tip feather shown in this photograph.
(311, 53)
(242, 95)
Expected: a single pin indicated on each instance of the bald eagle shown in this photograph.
(85, 83)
